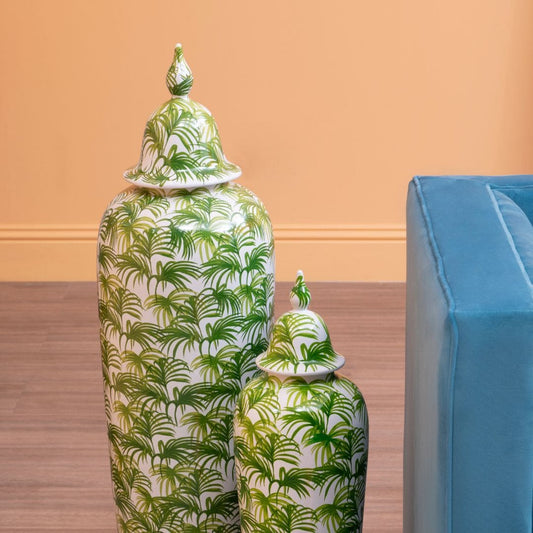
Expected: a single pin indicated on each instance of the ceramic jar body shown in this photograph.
(185, 301)
(301, 447)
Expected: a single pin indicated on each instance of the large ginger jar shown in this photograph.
(301, 434)
(185, 279)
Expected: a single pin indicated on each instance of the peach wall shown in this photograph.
(329, 108)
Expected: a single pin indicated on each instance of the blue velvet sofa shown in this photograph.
(468, 456)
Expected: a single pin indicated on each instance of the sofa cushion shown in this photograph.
(519, 231)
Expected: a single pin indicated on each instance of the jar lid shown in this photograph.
(300, 344)
(181, 146)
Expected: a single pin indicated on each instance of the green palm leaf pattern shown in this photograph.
(186, 284)
(301, 454)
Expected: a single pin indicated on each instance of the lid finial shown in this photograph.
(300, 296)
(179, 75)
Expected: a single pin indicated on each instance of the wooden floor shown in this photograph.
(54, 472)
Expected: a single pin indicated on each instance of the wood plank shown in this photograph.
(54, 471)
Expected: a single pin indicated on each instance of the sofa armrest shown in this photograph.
(469, 362)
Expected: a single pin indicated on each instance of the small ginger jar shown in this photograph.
(301, 433)
(186, 285)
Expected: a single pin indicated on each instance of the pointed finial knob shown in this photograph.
(179, 75)
(300, 296)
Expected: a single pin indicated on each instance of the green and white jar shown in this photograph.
(186, 283)
(301, 433)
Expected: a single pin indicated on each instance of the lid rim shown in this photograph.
(213, 178)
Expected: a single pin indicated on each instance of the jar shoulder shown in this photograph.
(296, 392)
(231, 194)
(217, 209)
